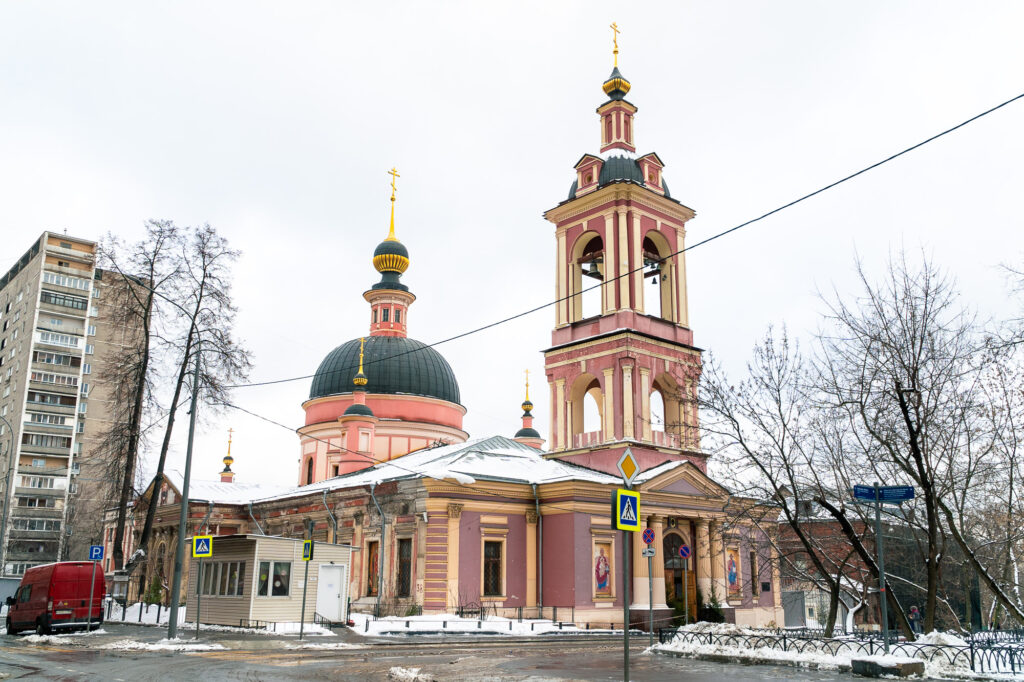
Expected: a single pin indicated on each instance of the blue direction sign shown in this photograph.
(893, 494)
(95, 552)
(202, 546)
(684, 551)
(626, 509)
(648, 535)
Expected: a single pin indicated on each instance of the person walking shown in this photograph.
(915, 619)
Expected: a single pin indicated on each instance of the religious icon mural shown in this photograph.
(733, 579)
(602, 569)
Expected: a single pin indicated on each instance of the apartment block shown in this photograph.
(56, 332)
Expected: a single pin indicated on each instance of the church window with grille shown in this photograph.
(492, 569)
(404, 587)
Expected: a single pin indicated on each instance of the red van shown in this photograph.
(55, 597)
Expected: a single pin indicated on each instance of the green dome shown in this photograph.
(527, 432)
(359, 409)
(392, 364)
(391, 247)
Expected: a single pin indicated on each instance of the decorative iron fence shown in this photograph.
(979, 655)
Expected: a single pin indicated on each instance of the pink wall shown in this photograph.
(471, 559)
(429, 410)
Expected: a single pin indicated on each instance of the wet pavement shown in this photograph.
(248, 656)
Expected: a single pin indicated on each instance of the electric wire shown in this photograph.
(708, 240)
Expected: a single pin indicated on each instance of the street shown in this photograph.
(265, 658)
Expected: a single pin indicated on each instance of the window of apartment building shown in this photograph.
(92, 330)
(85, 390)
(46, 418)
(93, 312)
(51, 399)
(37, 481)
(48, 358)
(36, 524)
(83, 407)
(75, 469)
(65, 281)
(54, 378)
(81, 427)
(492, 568)
(404, 585)
(87, 368)
(65, 245)
(95, 292)
(55, 339)
(63, 300)
(274, 578)
(37, 502)
(44, 440)
(39, 463)
(89, 349)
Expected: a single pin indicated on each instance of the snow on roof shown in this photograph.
(658, 470)
(493, 458)
(221, 493)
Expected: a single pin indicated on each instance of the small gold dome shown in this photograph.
(616, 87)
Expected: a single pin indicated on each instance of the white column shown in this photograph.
(561, 286)
(608, 420)
(645, 403)
(624, 285)
(610, 283)
(628, 417)
(638, 261)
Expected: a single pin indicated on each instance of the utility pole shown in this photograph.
(179, 552)
(883, 596)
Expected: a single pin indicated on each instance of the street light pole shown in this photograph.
(179, 551)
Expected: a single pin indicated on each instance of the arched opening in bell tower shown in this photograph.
(665, 403)
(587, 271)
(659, 277)
(586, 411)
(657, 404)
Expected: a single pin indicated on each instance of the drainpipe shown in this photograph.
(380, 546)
(255, 521)
(209, 510)
(540, 550)
(334, 520)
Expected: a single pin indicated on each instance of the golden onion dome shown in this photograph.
(616, 86)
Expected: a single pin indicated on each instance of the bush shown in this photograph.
(155, 593)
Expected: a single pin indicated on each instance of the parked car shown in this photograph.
(56, 597)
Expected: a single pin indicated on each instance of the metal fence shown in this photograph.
(981, 654)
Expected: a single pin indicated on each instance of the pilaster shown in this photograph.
(704, 559)
(454, 516)
(531, 558)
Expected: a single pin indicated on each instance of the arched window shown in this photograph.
(586, 412)
(591, 413)
(657, 404)
(587, 272)
(309, 471)
(659, 277)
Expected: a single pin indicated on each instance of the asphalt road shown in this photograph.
(266, 659)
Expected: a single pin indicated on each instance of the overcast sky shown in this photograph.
(277, 122)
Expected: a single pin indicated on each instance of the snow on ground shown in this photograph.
(936, 668)
(147, 617)
(408, 675)
(162, 645)
(454, 625)
(941, 639)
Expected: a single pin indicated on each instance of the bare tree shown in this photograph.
(760, 429)
(145, 269)
(204, 317)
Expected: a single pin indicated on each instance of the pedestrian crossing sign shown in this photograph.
(202, 546)
(626, 509)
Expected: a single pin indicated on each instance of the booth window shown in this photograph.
(274, 578)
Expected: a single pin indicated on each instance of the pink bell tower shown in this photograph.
(622, 368)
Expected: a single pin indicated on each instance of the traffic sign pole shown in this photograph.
(199, 594)
(307, 556)
(626, 578)
(881, 568)
(649, 538)
(92, 586)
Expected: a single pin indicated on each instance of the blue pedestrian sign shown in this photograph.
(95, 552)
(891, 494)
(626, 509)
(202, 546)
(307, 550)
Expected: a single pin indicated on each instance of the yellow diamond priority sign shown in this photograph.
(628, 467)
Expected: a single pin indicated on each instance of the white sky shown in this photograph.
(277, 122)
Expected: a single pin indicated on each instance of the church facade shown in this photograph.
(441, 521)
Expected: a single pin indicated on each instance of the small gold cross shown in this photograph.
(394, 174)
(615, 41)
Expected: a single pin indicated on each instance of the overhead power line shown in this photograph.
(712, 238)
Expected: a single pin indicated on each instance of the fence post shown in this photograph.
(784, 642)
(972, 650)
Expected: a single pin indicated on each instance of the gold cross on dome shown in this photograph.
(394, 174)
(615, 41)
(527, 385)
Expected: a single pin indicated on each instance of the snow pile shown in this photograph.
(941, 639)
(148, 614)
(718, 629)
(806, 659)
(882, 659)
(408, 675)
(450, 624)
(293, 629)
(162, 645)
(63, 640)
